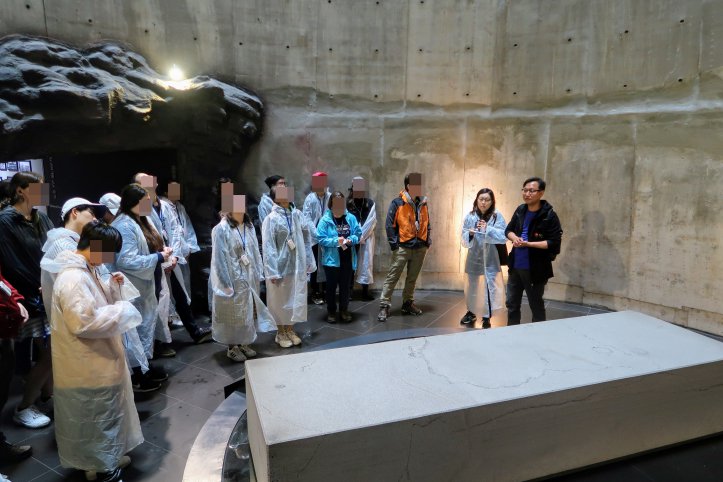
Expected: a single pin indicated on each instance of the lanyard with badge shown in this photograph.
(244, 257)
(290, 222)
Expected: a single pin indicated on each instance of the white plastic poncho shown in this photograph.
(59, 240)
(314, 209)
(189, 234)
(96, 421)
(138, 264)
(234, 286)
(482, 268)
(266, 205)
(365, 263)
(286, 300)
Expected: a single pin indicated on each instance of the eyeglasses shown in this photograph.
(530, 191)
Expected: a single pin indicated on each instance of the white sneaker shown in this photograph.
(248, 351)
(91, 475)
(283, 340)
(4, 478)
(236, 354)
(31, 417)
(293, 337)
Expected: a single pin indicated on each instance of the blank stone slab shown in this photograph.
(505, 404)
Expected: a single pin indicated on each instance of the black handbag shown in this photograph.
(502, 253)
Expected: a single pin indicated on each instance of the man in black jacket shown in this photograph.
(536, 235)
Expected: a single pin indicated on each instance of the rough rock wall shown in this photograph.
(617, 103)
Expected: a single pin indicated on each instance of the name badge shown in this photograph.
(292, 245)
(245, 260)
(5, 288)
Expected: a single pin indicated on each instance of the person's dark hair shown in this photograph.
(491, 210)
(19, 180)
(109, 237)
(80, 209)
(540, 182)
(217, 192)
(131, 195)
(229, 219)
(335, 194)
(272, 180)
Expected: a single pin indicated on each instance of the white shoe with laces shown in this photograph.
(236, 354)
(31, 417)
(4, 478)
(248, 351)
(282, 339)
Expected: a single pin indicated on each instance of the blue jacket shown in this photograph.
(329, 239)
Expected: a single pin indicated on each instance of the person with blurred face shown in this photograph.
(287, 261)
(364, 210)
(173, 196)
(408, 233)
(23, 232)
(165, 219)
(140, 259)
(237, 312)
(96, 420)
(536, 236)
(314, 208)
(338, 234)
(266, 204)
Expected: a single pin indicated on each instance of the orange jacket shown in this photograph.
(407, 223)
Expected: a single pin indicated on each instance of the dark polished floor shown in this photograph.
(172, 417)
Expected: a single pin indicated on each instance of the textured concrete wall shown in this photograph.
(617, 103)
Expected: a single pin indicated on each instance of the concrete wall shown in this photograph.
(617, 103)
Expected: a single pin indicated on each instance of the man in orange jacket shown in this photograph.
(408, 233)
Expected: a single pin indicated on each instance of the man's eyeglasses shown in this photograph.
(530, 191)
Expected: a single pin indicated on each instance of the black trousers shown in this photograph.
(313, 285)
(517, 282)
(182, 308)
(7, 369)
(340, 277)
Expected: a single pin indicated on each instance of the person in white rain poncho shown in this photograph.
(315, 205)
(483, 230)
(287, 261)
(237, 312)
(140, 259)
(96, 422)
(364, 210)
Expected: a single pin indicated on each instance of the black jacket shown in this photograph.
(545, 226)
(21, 249)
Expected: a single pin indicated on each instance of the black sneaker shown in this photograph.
(486, 323)
(383, 313)
(409, 308)
(163, 350)
(113, 476)
(468, 318)
(345, 316)
(156, 374)
(331, 316)
(10, 453)
(317, 299)
(367, 296)
(142, 384)
(203, 335)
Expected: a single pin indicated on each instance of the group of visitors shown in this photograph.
(84, 306)
(105, 285)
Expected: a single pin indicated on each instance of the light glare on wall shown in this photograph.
(176, 73)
